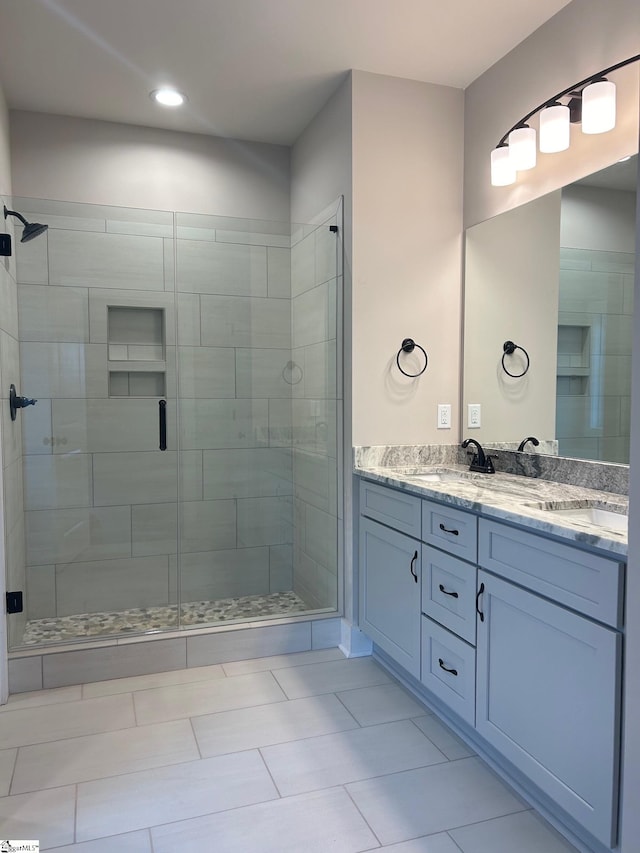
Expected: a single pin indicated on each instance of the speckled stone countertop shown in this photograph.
(526, 501)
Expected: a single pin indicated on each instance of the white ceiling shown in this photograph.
(252, 69)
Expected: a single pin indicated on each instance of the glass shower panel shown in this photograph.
(97, 349)
(238, 377)
(316, 307)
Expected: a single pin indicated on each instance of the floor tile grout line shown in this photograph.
(13, 770)
(64, 738)
(351, 714)
(153, 826)
(201, 757)
(266, 767)
(496, 817)
(151, 687)
(75, 814)
(212, 713)
(357, 808)
(453, 839)
(356, 728)
(79, 782)
(195, 737)
(133, 707)
(151, 845)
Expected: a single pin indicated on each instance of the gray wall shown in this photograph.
(584, 37)
(101, 162)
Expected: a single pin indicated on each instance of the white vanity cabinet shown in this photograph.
(390, 573)
(516, 633)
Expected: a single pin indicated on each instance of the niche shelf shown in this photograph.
(136, 351)
(574, 368)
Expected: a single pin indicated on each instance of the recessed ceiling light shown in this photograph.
(624, 159)
(168, 97)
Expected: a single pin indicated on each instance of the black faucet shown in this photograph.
(481, 461)
(523, 443)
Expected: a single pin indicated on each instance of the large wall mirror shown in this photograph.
(554, 276)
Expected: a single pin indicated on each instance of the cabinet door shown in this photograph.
(548, 686)
(390, 592)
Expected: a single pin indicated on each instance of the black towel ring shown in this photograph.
(408, 345)
(509, 348)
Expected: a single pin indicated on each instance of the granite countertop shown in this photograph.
(526, 501)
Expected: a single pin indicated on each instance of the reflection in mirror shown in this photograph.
(556, 276)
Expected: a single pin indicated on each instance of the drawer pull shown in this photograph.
(444, 592)
(478, 611)
(413, 560)
(446, 530)
(446, 669)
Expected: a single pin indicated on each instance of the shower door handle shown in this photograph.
(162, 423)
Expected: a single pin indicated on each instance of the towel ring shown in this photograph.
(508, 348)
(408, 345)
(295, 372)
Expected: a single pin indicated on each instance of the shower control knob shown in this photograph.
(16, 402)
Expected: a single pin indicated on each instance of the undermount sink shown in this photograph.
(613, 516)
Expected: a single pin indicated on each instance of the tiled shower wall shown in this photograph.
(234, 333)
(316, 282)
(594, 354)
(103, 505)
(11, 444)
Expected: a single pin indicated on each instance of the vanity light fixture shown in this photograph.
(555, 127)
(590, 102)
(522, 148)
(168, 97)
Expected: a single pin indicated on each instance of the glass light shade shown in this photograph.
(168, 97)
(599, 107)
(503, 172)
(555, 129)
(522, 148)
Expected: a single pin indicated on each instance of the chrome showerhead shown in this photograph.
(31, 230)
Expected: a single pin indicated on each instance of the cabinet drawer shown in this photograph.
(453, 530)
(449, 592)
(442, 651)
(582, 581)
(396, 509)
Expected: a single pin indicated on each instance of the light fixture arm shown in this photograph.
(570, 90)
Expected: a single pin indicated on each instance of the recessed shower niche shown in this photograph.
(136, 351)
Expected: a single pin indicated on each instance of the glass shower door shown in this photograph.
(258, 418)
(97, 349)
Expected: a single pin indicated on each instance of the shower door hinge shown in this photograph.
(14, 602)
(333, 229)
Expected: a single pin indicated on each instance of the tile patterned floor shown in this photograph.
(307, 751)
(139, 620)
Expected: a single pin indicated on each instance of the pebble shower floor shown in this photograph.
(139, 620)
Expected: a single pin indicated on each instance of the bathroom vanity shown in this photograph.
(499, 600)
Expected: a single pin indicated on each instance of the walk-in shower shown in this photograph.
(180, 466)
